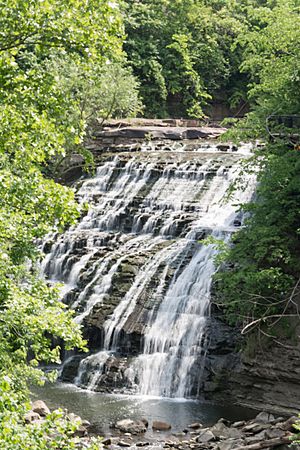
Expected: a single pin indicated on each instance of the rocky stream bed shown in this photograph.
(262, 432)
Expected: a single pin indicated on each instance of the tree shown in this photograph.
(35, 128)
(270, 57)
(261, 286)
(182, 53)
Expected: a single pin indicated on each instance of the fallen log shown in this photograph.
(267, 443)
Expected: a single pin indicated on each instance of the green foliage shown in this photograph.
(271, 59)
(264, 260)
(56, 432)
(180, 51)
(49, 51)
(83, 93)
(259, 283)
(296, 436)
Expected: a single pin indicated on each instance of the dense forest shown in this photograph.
(64, 64)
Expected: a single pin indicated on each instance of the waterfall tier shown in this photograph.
(135, 271)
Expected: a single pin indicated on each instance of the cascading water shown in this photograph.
(135, 271)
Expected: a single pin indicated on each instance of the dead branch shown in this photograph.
(268, 443)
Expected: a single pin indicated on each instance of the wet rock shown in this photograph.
(70, 368)
(237, 223)
(40, 408)
(161, 426)
(205, 436)
(131, 426)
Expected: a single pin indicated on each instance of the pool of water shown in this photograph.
(104, 409)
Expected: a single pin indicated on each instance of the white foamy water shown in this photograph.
(152, 210)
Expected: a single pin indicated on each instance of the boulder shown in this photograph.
(205, 436)
(131, 426)
(264, 417)
(40, 408)
(161, 426)
(221, 431)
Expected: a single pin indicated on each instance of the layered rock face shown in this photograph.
(136, 273)
(268, 379)
(138, 277)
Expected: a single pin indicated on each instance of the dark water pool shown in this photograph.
(103, 409)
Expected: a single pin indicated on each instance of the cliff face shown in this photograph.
(139, 279)
(266, 377)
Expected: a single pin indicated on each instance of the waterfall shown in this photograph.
(135, 271)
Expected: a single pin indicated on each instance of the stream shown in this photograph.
(101, 410)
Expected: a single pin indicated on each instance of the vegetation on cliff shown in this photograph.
(262, 285)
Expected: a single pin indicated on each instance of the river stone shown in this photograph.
(131, 426)
(256, 438)
(274, 433)
(220, 430)
(161, 426)
(264, 417)
(205, 436)
(40, 408)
